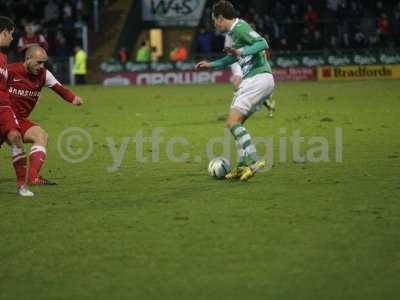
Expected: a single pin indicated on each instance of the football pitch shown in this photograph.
(134, 219)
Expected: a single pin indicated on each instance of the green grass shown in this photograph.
(165, 230)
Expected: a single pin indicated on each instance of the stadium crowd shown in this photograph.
(307, 25)
(54, 24)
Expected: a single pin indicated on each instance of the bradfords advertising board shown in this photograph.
(196, 77)
(173, 12)
(359, 72)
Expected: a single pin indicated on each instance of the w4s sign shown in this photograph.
(173, 12)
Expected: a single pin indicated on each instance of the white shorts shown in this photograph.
(252, 93)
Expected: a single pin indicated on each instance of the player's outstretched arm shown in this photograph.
(217, 64)
(61, 90)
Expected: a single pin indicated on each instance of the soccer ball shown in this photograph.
(219, 167)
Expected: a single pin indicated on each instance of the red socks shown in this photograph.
(36, 160)
(19, 162)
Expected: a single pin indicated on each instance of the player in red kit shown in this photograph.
(26, 80)
(9, 129)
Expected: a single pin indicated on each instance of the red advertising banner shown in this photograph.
(295, 74)
(172, 77)
(196, 77)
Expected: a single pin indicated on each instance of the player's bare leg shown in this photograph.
(235, 123)
(37, 155)
(19, 161)
(270, 105)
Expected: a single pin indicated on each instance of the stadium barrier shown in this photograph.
(348, 65)
(350, 57)
(196, 77)
(278, 60)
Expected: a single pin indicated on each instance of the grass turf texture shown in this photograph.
(165, 230)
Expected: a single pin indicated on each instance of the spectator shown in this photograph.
(345, 23)
(311, 17)
(30, 38)
(79, 7)
(204, 42)
(333, 42)
(178, 53)
(4, 8)
(342, 30)
(154, 55)
(51, 13)
(144, 53)
(268, 51)
(79, 69)
(346, 40)
(79, 22)
(268, 24)
(397, 7)
(380, 9)
(122, 55)
(68, 23)
(259, 22)
(317, 41)
(67, 9)
(396, 24)
(343, 11)
(279, 11)
(294, 12)
(373, 41)
(283, 44)
(383, 25)
(384, 29)
(355, 9)
(61, 47)
(305, 39)
(360, 40)
(332, 8)
(218, 41)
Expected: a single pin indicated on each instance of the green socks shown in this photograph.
(244, 144)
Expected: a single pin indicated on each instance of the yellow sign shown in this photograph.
(359, 72)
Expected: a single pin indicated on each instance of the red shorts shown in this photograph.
(8, 122)
(25, 125)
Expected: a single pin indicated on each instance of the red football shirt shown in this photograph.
(4, 98)
(24, 88)
(25, 41)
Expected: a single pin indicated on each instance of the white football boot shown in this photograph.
(24, 192)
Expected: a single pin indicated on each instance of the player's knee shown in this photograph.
(232, 121)
(229, 123)
(14, 137)
(42, 138)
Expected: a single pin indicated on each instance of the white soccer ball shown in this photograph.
(219, 167)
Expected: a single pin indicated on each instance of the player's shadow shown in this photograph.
(7, 180)
(6, 192)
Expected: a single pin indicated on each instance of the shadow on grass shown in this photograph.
(7, 180)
